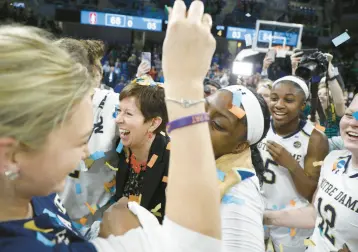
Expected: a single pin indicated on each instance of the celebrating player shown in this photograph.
(289, 152)
(335, 210)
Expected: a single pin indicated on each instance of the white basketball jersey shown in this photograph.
(279, 189)
(336, 204)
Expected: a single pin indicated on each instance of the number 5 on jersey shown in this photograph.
(269, 175)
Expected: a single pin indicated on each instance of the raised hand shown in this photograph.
(188, 48)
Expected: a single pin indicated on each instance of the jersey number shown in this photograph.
(270, 176)
(329, 223)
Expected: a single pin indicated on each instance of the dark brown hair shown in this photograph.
(150, 100)
(75, 48)
(95, 52)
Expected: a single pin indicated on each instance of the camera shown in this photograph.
(312, 65)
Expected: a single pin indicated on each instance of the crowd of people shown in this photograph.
(102, 153)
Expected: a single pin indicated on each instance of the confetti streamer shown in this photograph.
(237, 111)
(97, 155)
(119, 147)
(83, 221)
(158, 214)
(308, 243)
(162, 133)
(133, 198)
(292, 203)
(293, 232)
(355, 115)
(78, 189)
(281, 248)
(236, 98)
(320, 128)
(228, 199)
(157, 208)
(152, 161)
(317, 163)
(340, 39)
(168, 146)
(165, 179)
(244, 173)
(89, 162)
(221, 175)
(111, 167)
(90, 208)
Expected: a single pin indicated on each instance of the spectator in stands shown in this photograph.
(111, 78)
(153, 73)
(106, 67)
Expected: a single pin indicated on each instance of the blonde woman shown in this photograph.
(45, 122)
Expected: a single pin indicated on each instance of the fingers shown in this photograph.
(170, 11)
(123, 202)
(207, 21)
(196, 12)
(178, 12)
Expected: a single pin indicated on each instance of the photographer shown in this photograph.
(333, 106)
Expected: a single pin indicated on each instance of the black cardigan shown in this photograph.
(155, 178)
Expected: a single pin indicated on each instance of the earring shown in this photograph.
(11, 175)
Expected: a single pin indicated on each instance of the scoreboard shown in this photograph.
(121, 21)
(238, 33)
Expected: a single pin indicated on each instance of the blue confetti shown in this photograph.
(274, 207)
(221, 175)
(119, 147)
(321, 231)
(78, 189)
(44, 240)
(282, 207)
(115, 113)
(77, 226)
(265, 227)
(228, 199)
(245, 174)
(355, 115)
(236, 98)
(97, 155)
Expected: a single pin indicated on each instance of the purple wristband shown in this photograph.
(187, 121)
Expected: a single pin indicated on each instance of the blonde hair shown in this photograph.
(266, 83)
(39, 85)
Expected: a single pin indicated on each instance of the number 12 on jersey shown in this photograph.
(269, 175)
(327, 223)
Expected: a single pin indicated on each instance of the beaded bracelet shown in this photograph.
(187, 121)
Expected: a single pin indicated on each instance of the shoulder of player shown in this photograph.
(99, 95)
(318, 141)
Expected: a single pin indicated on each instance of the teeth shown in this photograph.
(280, 113)
(353, 134)
(123, 131)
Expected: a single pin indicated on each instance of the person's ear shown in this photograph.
(156, 122)
(303, 106)
(241, 147)
(7, 146)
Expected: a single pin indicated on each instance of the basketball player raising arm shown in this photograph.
(290, 150)
(335, 200)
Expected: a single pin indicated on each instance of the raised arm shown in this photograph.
(193, 195)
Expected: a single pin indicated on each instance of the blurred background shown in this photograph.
(131, 27)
